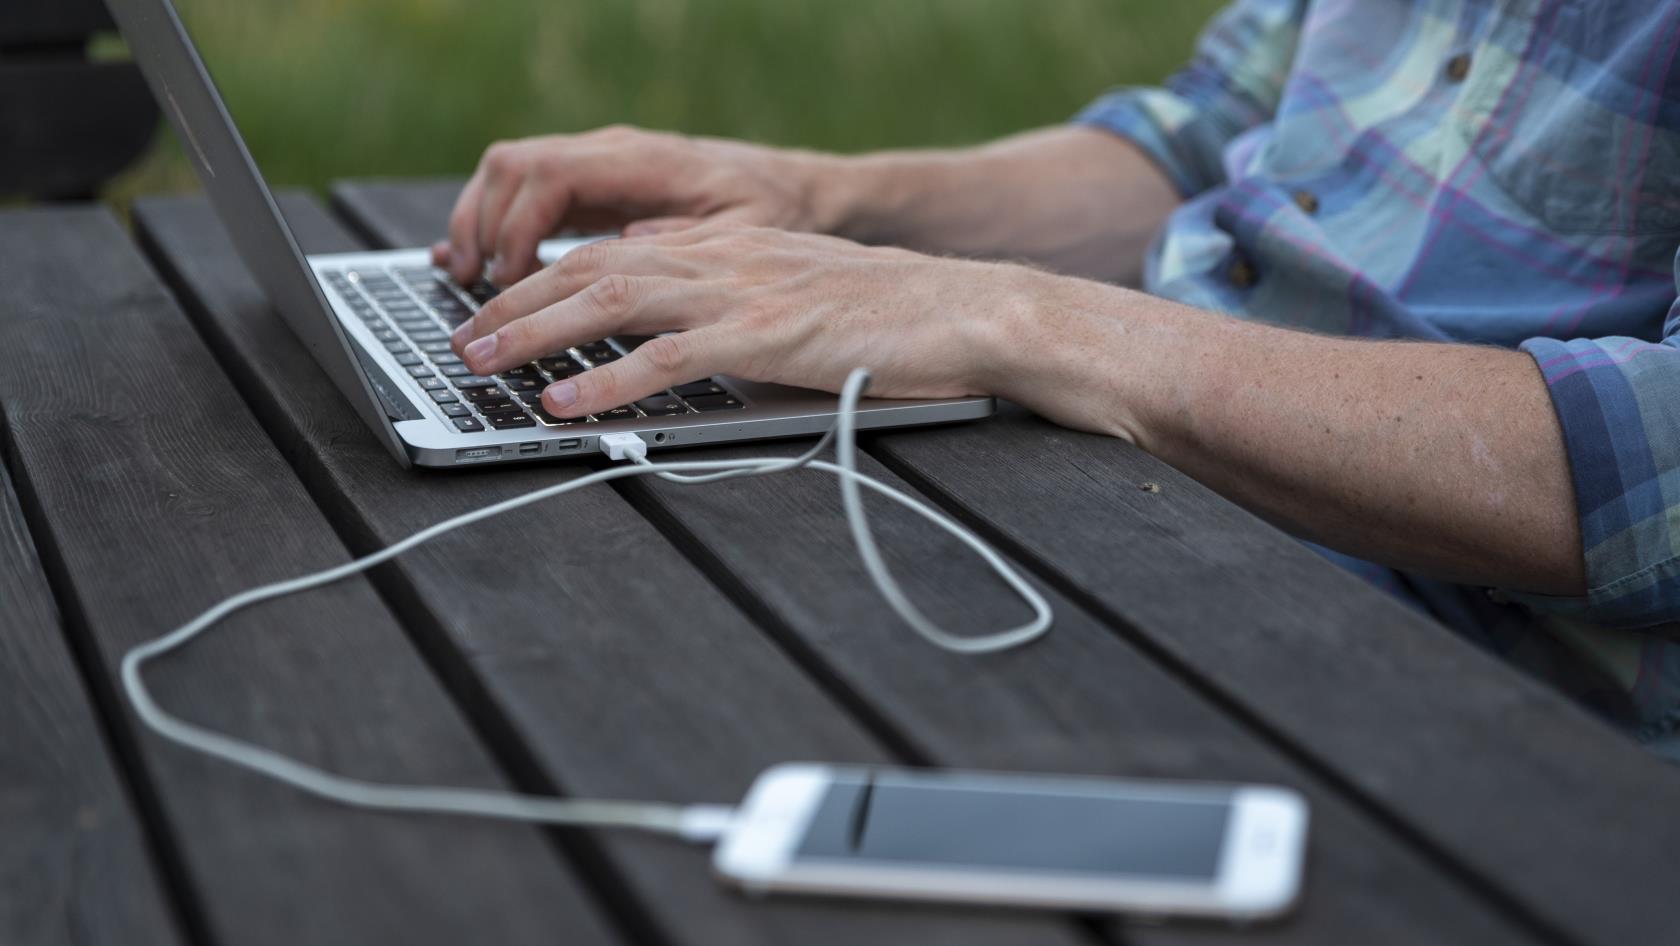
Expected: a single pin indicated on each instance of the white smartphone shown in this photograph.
(1160, 848)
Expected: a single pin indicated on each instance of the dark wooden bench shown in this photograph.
(646, 640)
(68, 123)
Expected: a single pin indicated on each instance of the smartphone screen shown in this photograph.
(939, 820)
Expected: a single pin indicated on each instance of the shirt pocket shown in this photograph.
(1581, 130)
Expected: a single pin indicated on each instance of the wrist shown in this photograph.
(830, 187)
(871, 198)
(1091, 355)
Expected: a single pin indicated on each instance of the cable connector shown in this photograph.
(705, 823)
(625, 446)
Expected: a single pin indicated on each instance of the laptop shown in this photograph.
(378, 323)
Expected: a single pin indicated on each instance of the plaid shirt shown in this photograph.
(1503, 172)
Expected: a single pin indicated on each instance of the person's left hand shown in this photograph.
(760, 304)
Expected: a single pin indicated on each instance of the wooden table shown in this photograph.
(167, 442)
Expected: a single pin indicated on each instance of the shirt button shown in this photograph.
(1458, 67)
(1242, 273)
(1307, 201)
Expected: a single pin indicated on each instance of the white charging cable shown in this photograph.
(691, 822)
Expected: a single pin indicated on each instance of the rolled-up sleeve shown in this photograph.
(1233, 83)
(1618, 402)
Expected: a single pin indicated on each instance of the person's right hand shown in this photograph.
(643, 182)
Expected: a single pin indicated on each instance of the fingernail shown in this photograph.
(481, 350)
(492, 271)
(440, 253)
(562, 395)
(462, 333)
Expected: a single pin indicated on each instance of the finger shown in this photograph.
(534, 213)
(464, 256)
(658, 225)
(505, 175)
(440, 253)
(658, 364)
(572, 273)
(637, 305)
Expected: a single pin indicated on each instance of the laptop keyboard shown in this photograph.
(413, 310)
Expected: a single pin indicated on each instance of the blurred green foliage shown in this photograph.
(324, 89)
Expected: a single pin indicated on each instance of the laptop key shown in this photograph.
(697, 388)
(396, 347)
(433, 348)
(457, 372)
(618, 413)
(430, 335)
(561, 366)
(715, 402)
(408, 359)
(498, 406)
(551, 420)
(446, 358)
(522, 384)
(468, 425)
(661, 404)
(511, 421)
(451, 310)
(433, 384)
(470, 380)
(457, 410)
(444, 397)
(420, 372)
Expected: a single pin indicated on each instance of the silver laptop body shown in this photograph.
(373, 321)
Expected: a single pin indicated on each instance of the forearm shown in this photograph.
(1072, 199)
(1442, 459)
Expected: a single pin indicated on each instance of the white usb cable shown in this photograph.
(690, 822)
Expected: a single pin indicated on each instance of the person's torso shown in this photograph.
(1475, 171)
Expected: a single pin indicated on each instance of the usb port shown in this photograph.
(571, 444)
(526, 449)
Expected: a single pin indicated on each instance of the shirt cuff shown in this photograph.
(1615, 402)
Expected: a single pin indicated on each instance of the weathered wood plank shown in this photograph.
(74, 866)
(610, 665)
(154, 494)
(1486, 766)
(1083, 700)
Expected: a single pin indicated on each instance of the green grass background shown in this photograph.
(324, 89)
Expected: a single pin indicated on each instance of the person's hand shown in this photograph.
(643, 182)
(760, 304)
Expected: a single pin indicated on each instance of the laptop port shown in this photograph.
(477, 454)
(527, 449)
